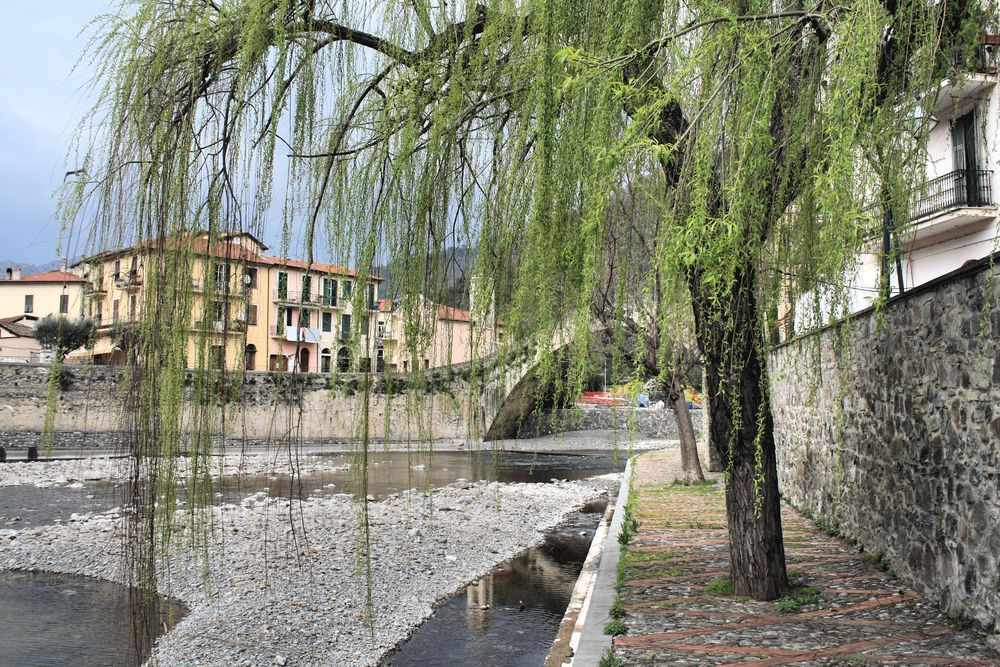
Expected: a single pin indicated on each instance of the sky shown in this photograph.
(41, 101)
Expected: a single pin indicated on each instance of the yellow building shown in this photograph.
(223, 299)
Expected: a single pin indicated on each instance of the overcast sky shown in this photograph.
(41, 102)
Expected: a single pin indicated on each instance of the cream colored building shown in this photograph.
(440, 336)
(17, 340)
(41, 294)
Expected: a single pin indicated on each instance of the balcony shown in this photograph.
(127, 280)
(952, 205)
(220, 326)
(972, 77)
(219, 288)
(296, 335)
(307, 298)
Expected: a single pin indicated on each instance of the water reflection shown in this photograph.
(510, 617)
(56, 619)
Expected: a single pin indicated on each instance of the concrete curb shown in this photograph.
(589, 642)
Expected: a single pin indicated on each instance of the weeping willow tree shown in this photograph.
(386, 127)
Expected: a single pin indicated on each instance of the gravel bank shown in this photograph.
(286, 591)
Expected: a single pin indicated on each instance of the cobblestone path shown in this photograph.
(847, 612)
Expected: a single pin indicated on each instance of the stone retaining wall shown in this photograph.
(88, 410)
(891, 434)
(642, 421)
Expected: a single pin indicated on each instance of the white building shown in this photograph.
(953, 215)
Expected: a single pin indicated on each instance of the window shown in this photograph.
(282, 285)
(118, 270)
(379, 360)
(131, 307)
(372, 302)
(250, 357)
(304, 318)
(380, 330)
(219, 311)
(327, 321)
(64, 303)
(222, 277)
(306, 288)
(427, 363)
(406, 366)
(250, 278)
(325, 360)
(252, 314)
(343, 360)
(216, 357)
(329, 292)
(114, 311)
(288, 317)
(29, 303)
(345, 327)
(347, 289)
(99, 313)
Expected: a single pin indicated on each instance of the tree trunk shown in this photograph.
(716, 455)
(730, 333)
(685, 429)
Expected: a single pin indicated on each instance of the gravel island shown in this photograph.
(283, 582)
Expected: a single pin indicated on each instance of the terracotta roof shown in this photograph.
(49, 277)
(19, 330)
(318, 267)
(14, 319)
(456, 314)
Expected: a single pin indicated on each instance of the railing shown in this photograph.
(309, 298)
(959, 188)
(220, 326)
(983, 60)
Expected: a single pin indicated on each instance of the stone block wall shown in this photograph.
(646, 422)
(88, 410)
(890, 432)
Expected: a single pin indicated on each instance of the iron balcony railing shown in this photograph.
(960, 188)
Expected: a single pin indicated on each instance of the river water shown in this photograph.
(511, 617)
(84, 618)
(55, 619)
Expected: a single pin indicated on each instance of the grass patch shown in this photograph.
(722, 586)
(650, 556)
(792, 603)
(609, 659)
(702, 484)
(617, 609)
(615, 627)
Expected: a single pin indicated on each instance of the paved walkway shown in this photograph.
(860, 615)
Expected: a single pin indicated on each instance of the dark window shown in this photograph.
(64, 303)
(222, 277)
(347, 289)
(216, 356)
(343, 360)
(329, 292)
(114, 311)
(219, 310)
(250, 278)
(327, 321)
(29, 303)
(252, 314)
(345, 326)
(372, 302)
(325, 361)
(99, 313)
(131, 307)
(304, 318)
(282, 285)
(306, 288)
(250, 357)
(118, 269)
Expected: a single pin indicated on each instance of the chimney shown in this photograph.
(16, 273)
(62, 264)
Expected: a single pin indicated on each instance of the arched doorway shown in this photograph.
(304, 360)
(325, 363)
(343, 360)
(380, 360)
(250, 357)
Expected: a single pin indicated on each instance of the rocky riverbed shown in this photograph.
(283, 583)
